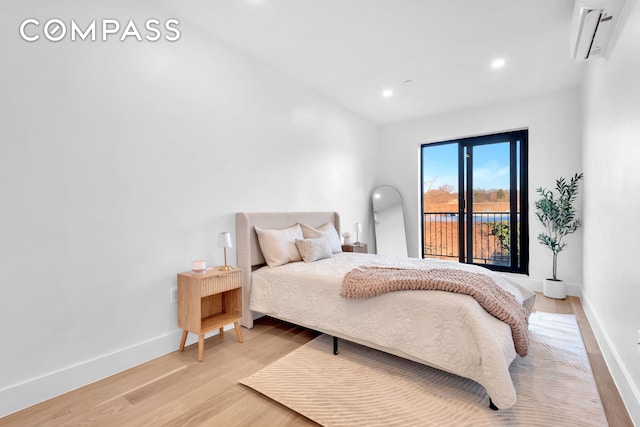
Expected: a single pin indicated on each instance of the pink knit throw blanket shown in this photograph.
(367, 282)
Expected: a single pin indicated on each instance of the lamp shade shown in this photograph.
(357, 227)
(224, 240)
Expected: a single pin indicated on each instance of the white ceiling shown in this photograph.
(350, 50)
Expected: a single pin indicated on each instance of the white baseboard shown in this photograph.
(629, 390)
(35, 390)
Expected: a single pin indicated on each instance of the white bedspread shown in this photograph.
(445, 330)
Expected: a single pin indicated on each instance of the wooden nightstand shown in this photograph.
(360, 248)
(209, 301)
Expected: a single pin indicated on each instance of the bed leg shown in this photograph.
(492, 405)
(335, 345)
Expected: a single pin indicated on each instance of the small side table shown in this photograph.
(208, 301)
(356, 247)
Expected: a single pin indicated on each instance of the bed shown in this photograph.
(445, 330)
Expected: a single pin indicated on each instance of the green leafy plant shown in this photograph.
(558, 215)
(502, 231)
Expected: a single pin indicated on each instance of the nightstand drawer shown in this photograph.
(360, 248)
(212, 282)
(223, 282)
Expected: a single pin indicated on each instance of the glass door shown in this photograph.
(440, 201)
(488, 203)
(473, 190)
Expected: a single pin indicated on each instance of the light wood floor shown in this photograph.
(176, 390)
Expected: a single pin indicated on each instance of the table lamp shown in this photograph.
(357, 227)
(224, 241)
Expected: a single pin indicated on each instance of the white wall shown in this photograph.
(119, 164)
(554, 151)
(611, 151)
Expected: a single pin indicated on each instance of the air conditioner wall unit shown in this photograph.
(591, 27)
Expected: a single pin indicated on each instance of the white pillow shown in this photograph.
(313, 249)
(279, 246)
(327, 231)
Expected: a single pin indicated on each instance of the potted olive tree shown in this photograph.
(558, 216)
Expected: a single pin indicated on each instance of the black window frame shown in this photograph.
(465, 184)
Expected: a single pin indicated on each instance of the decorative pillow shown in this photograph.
(279, 246)
(313, 249)
(328, 231)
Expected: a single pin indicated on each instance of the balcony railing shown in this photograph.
(491, 237)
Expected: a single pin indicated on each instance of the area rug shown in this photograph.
(366, 387)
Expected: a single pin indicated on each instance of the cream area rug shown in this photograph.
(366, 387)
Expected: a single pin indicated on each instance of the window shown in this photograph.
(474, 201)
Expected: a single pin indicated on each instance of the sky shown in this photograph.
(490, 166)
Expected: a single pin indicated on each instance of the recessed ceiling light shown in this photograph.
(498, 63)
(387, 93)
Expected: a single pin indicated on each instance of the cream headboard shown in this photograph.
(249, 254)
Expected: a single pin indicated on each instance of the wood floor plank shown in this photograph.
(176, 389)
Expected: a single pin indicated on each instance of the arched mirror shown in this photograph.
(388, 218)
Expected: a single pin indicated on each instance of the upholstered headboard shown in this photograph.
(249, 253)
